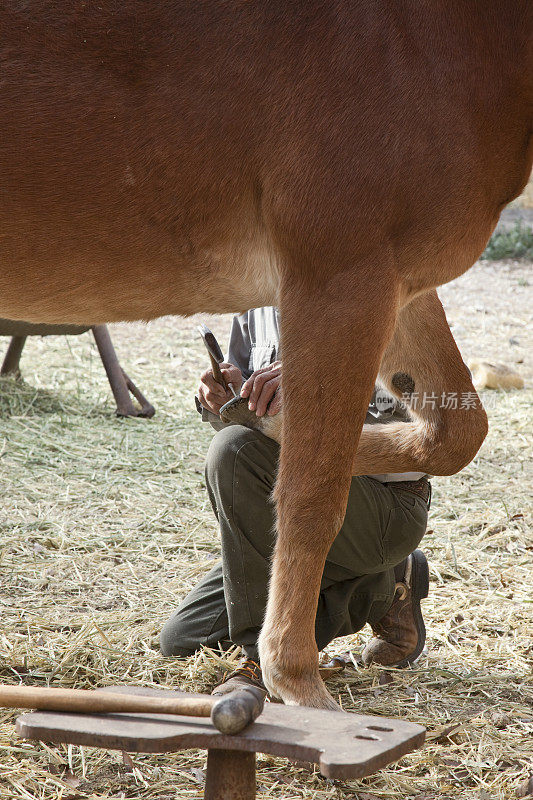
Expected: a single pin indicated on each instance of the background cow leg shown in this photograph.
(333, 337)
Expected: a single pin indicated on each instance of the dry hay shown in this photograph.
(105, 525)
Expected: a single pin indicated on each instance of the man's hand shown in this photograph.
(264, 388)
(211, 394)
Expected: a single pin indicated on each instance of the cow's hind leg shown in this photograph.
(423, 367)
(333, 337)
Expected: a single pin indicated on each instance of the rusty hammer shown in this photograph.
(230, 713)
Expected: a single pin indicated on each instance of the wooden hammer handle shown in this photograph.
(94, 702)
(217, 373)
(230, 714)
(216, 358)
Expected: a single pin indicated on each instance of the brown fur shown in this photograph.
(339, 159)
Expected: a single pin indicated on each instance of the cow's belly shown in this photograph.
(116, 272)
(64, 275)
(99, 242)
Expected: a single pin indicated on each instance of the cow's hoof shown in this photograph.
(304, 691)
(297, 686)
(236, 412)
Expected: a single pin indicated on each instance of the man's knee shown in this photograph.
(236, 443)
(174, 639)
(224, 446)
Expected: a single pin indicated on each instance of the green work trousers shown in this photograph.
(381, 527)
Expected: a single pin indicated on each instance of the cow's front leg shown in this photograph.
(333, 337)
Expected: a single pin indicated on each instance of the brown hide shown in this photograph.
(171, 157)
(336, 158)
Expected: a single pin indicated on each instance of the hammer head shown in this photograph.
(236, 710)
(213, 347)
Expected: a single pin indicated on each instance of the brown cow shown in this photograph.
(338, 158)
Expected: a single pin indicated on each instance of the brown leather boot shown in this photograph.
(247, 674)
(400, 635)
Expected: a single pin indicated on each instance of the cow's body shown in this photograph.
(339, 159)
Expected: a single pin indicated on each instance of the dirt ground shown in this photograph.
(105, 525)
